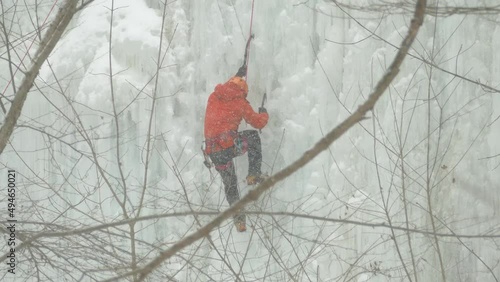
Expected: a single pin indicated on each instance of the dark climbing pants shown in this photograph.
(223, 161)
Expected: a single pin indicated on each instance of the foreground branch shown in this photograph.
(322, 145)
(48, 43)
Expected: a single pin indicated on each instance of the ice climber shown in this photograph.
(227, 106)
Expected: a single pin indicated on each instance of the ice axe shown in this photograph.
(264, 99)
(246, 49)
(242, 71)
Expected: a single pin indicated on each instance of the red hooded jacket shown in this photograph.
(226, 107)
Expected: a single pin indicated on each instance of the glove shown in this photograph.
(262, 110)
(242, 71)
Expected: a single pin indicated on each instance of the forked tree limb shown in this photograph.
(320, 146)
(47, 44)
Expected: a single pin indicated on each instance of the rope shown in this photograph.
(250, 34)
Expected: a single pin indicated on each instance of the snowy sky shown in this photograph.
(88, 153)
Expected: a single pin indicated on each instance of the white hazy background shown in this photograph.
(427, 158)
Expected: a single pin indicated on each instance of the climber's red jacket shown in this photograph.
(226, 107)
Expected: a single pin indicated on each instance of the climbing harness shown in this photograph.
(220, 142)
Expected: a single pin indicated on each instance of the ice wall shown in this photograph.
(428, 142)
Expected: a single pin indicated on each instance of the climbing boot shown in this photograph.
(256, 179)
(240, 226)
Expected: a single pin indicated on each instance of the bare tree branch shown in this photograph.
(51, 38)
